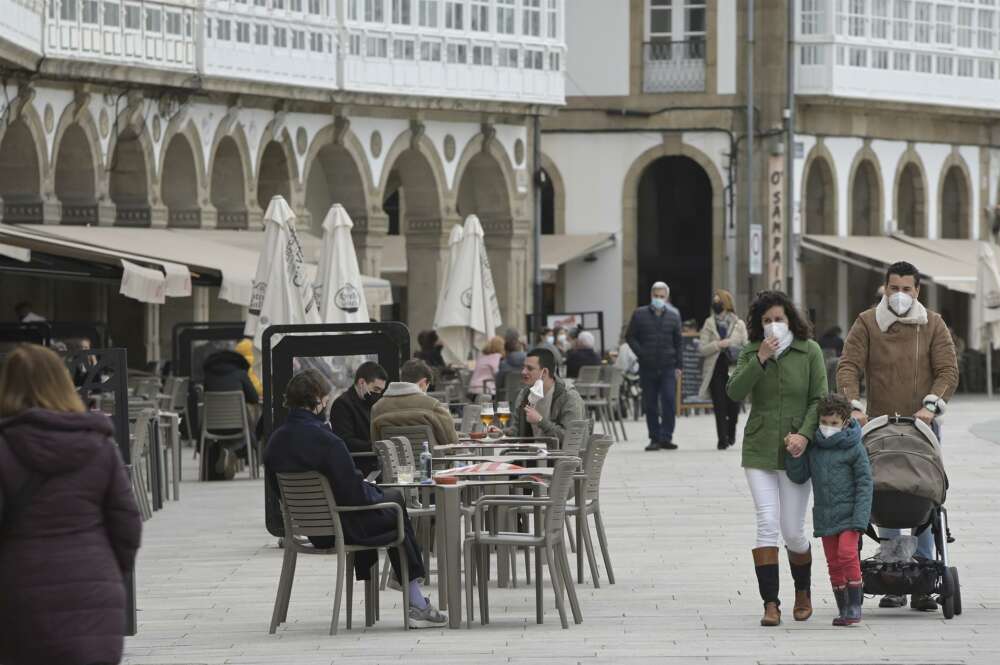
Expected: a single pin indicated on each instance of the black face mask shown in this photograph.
(717, 307)
(371, 398)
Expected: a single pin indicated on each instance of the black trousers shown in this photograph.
(727, 412)
(363, 560)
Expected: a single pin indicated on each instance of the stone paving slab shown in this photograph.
(680, 525)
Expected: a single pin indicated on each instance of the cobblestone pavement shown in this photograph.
(680, 525)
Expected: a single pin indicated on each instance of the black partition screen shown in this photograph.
(389, 341)
(95, 331)
(186, 335)
(36, 332)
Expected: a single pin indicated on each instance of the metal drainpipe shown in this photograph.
(536, 163)
(790, 239)
(750, 134)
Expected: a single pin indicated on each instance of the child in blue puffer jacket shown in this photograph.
(841, 476)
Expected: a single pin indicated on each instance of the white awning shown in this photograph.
(879, 252)
(557, 250)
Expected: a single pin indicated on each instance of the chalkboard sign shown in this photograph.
(690, 385)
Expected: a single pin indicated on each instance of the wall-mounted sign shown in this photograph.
(756, 249)
(776, 223)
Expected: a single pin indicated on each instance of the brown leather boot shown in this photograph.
(765, 561)
(801, 565)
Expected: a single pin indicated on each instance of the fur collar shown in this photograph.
(885, 317)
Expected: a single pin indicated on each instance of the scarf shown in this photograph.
(885, 317)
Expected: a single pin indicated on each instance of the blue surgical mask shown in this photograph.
(658, 303)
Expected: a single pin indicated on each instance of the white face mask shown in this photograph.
(900, 303)
(777, 329)
(828, 430)
(550, 339)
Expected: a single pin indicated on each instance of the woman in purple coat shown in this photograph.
(69, 525)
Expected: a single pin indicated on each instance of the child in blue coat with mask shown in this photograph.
(837, 463)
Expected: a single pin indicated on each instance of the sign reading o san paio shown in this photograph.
(776, 222)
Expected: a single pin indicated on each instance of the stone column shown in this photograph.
(507, 242)
(369, 240)
(426, 267)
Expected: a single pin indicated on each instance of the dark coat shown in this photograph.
(306, 443)
(67, 542)
(841, 481)
(351, 420)
(655, 338)
(227, 371)
(578, 358)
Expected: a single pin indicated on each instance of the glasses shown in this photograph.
(503, 413)
(486, 414)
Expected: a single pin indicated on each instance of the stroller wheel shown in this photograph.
(956, 590)
(948, 593)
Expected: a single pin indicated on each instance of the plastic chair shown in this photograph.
(470, 418)
(308, 508)
(139, 453)
(593, 392)
(593, 467)
(226, 410)
(512, 386)
(616, 382)
(415, 434)
(549, 543)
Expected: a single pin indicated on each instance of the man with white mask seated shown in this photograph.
(908, 359)
(549, 413)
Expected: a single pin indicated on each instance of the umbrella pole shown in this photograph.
(988, 338)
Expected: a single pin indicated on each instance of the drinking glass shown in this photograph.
(405, 474)
(503, 413)
(486, 415)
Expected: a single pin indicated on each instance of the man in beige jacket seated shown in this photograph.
(907, 357)
(405, 403)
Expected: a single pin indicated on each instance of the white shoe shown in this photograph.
(429, 617)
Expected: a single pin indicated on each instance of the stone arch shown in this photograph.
(819, 192)
(231, 191)
(78, 168)
(22, 165)
(556, 189)
(336, 171)
(131, 173)
(910, 198)
(182, 179)
(277, 169)
(483, 181)
(672, 147)
(954, 198)
(421, 174)
(864, 210)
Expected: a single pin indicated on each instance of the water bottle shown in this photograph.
(426, 464)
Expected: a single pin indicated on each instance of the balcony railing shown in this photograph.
(670, 66)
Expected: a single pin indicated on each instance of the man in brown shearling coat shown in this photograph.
(908, 359)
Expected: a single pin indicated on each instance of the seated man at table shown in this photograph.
(551, 414)
(405, 403)
(351, 413)
(306, 443)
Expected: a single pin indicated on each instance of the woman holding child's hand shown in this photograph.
(783, 372)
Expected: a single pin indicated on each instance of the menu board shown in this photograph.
(691, 365)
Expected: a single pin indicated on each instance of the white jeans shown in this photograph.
(781, 504)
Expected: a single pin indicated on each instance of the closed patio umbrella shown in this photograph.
(339, 287)
(454, 244)
(469, 312)
(988, 297)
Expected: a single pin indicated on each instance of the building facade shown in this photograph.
(894, 150)
(181, 115)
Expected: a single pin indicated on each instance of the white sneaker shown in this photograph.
(429, 617)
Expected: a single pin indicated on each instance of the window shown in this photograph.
(377, 47)
(880, 19)
(430, 51)
(278, 4)
(945, 64)
(112, 14)
(316, 42)
(453, 18)
(260, 3)
(505, 16)
(316, 6)
(482, 55)
(133, 17)
(857, 57)
(402, 49)
(677, 20)
(354, 45)
(401, 12)
(299, 40)
(901, 20)
(208, 28)
(458, 53)
(966, 67)
(428, 13)
(552, 19)
(67, 10)
(924, 63)
(374, 11)
(89, 13)
(281, 37)
(985, 40)
(173, 23)
(880, 59)
(480, 19)
(812, 17)
(295, 5)
(224, 30)
(534, 59)
(243, 32)
(987, 69)
(922, 23)
(811, 55)
(507, 57)
(188, 24)
(554, 62)
(901, 61)
(260, 34)
(352, 10)
(154, 20)
(856, 18)
(531, 18)
(942, 24)
(965, 27)
(660, 17)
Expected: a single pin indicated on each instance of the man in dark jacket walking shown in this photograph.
(351, 414)
(654, 335)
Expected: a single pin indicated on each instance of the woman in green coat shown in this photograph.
(783, 373)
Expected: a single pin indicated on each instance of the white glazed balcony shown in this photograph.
(21, 23)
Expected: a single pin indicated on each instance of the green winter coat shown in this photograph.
(784, 396)
(841, 481)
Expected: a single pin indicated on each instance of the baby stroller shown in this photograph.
(910, 485)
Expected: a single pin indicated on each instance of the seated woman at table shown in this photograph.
(305, 442)
(484, 376)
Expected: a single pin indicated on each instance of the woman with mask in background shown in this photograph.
(783, 372)
(351, 414)
(722, 338)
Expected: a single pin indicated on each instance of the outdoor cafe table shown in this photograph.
(448, 524)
